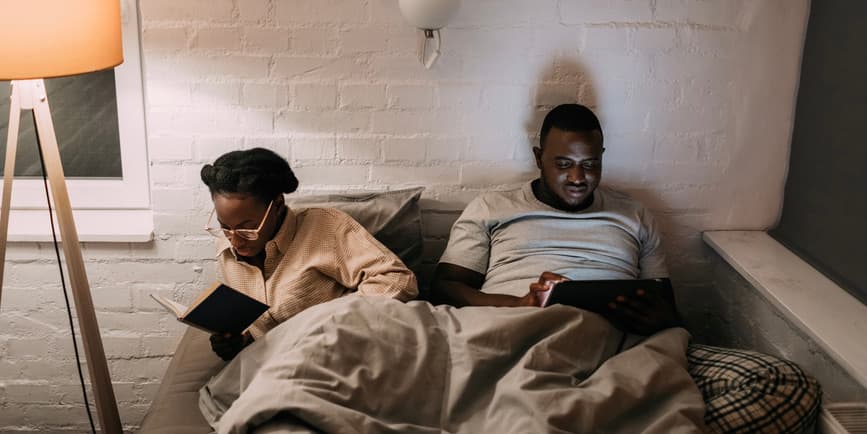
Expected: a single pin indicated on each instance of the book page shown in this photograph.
(176, 308)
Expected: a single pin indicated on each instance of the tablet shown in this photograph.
(594, 295)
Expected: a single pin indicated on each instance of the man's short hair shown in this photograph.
(569, 117)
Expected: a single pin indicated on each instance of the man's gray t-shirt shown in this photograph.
(512, 237)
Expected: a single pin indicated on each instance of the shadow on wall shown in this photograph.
(563, 81)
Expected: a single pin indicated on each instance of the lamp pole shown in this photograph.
(31, 95)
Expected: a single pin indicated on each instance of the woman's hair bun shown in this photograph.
(257, 171)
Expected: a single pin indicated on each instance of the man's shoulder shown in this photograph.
(498, 202)
(501, 196)
(618, 199)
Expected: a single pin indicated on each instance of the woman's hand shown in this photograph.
(227, 345)
(539, 290)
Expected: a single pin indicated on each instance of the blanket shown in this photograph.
(374, 365)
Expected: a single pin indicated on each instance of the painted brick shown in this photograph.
(404, 40)
(216, 66)
(29, 392)
(404, 149)
(498, 174)
(314, 96)
(214, 95)
(124, 321)
(172, 200)
(112, 299)
(27, 348)
(40, 369)
(406, 66)
(194, 248)
(138, 369)
(519, 13)
(207, 149)
(605, 11)
(605, 39)
(333, 175)
(725, 14)
(137, 271)
(458, 96)
(313, 148)
(291, 12)
(319, 68)
(410, 123)
(324, 122)
(170, 10)
(386, 12)
(264, 95)
(552, 94)
(445, 149)
(168, 94)
(158, 346)
(490, 148)
(317, 42)
(174, 38)
(410, 97)
(417, 176)
(254, 10)
(362, 40)
(653, 39)
(267, 40)
(218, 38)
(358, 149)
(362, 96)
(36, 274)
(22, 298)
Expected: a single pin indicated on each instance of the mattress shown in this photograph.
(175, 409)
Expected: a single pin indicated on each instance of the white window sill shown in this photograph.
(129, 226)
(835, 320)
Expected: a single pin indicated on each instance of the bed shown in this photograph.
(740, 390)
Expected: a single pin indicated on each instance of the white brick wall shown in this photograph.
(696, 99)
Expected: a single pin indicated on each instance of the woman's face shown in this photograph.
(245, 211)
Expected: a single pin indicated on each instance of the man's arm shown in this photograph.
(459, 286)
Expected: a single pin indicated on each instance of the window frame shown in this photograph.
(104, 209)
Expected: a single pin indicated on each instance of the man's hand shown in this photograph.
(539, 290)
(227, 346)
(644, 313)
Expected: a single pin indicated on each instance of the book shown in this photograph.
(594, 295)
(218, 310)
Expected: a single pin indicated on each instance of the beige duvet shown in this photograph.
(373, 365)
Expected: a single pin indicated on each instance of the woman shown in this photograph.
(289, 260)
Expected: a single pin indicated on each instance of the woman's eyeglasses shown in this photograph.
(247, 234)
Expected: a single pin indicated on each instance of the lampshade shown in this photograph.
(53, 38)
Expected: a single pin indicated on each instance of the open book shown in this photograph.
(219, 309)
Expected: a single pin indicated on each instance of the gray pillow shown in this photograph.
(393, 217)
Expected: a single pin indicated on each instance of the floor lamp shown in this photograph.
(54, 38)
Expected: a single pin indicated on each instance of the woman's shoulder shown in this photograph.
(322, 218)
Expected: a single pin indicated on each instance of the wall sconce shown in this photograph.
(429, 16)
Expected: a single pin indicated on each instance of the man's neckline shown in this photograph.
(530, 189)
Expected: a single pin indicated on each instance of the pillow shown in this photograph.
(393, 217)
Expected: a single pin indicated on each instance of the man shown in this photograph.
(508, 248)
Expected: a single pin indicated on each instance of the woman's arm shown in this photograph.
(365, 264)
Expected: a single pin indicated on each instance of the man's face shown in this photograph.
(571, 167)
